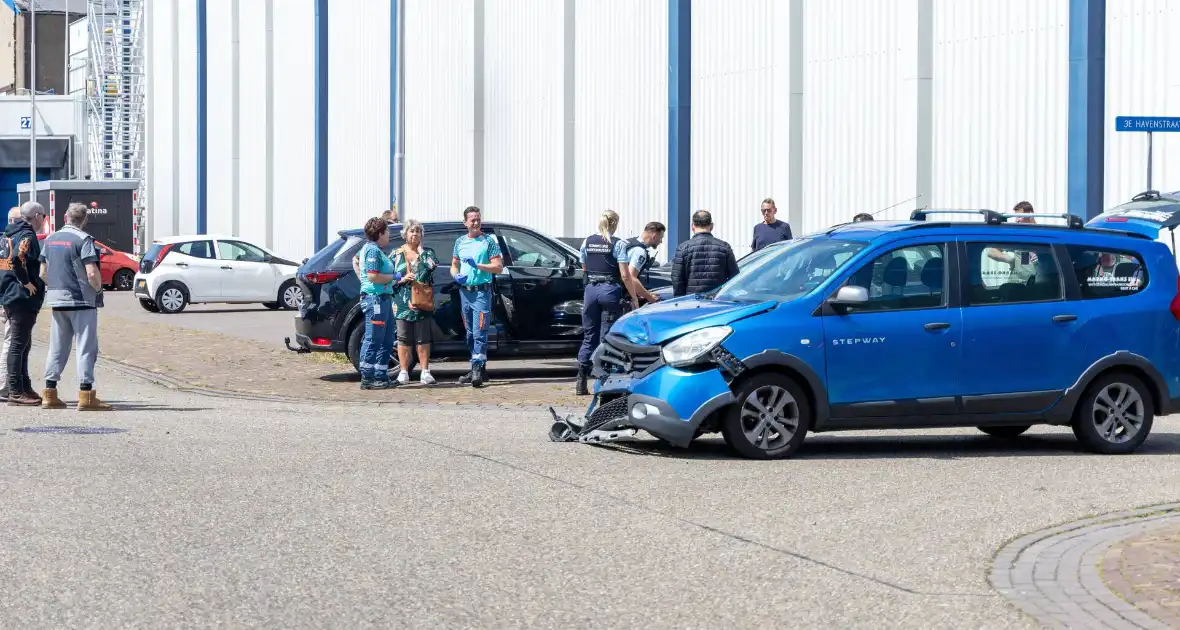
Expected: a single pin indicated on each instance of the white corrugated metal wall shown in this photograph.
(1142, 79)
(294, 141)
(253, 114)
(439, 106)
(1001, 106)
(740, 112)
(186, 47)
(358, 118)
(621, 114)
(221, 100)
(858, 145)
(160, 99)
(999, 114)
(523, 159)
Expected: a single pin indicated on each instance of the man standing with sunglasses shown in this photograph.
(771, 230)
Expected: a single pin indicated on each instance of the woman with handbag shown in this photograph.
(413, 300)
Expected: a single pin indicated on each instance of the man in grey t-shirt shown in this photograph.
(73, 289)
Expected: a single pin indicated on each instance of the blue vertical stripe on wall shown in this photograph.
(394, 60)
(679, 120)
(1087, 102)
(202, 119)
(321, 124)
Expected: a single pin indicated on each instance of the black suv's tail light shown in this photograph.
(322, 277)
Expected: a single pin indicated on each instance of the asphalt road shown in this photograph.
(247, 321)
(216, 512)
(258, 323)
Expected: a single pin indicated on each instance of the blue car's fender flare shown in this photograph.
(1063, 411)
(811, 380)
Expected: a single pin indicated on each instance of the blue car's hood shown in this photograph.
(662, 321)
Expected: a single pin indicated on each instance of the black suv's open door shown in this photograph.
(541, 287)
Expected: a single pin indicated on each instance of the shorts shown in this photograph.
(417, 333)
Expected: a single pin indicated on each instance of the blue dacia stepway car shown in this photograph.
(914, 324)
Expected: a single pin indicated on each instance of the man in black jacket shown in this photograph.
(703, 262)
(22, 292)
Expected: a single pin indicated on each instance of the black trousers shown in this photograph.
(21, 318)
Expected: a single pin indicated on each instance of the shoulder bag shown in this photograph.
(421, 293)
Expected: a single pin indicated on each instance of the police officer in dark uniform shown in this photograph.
(603, 255)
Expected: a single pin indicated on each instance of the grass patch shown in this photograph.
(335, 358)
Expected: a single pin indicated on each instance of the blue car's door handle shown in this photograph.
(1064, 318)
(937, 326)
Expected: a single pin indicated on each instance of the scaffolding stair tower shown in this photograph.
(116, 94)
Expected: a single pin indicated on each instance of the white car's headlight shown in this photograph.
(691, 347)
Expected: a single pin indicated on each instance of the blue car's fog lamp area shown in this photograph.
(685, 392)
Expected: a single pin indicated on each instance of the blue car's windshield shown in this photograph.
(790, 271)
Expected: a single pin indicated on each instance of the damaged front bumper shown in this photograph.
(669, 403)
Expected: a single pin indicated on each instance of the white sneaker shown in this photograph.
(403, 377)
(426, 378)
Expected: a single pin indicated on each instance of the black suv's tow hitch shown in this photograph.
(299, 349)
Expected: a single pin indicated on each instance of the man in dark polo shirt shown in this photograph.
(771, 230)
(73, 290)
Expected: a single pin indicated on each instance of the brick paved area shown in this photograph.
(1145, 571)
(199, 360)
(1056, 575)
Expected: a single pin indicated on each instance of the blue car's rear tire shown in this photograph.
(1115, 415)
(768, 419)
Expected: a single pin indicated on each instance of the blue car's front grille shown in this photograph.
(622, 357)
(614, 410)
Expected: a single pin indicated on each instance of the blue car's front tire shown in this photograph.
(769, 418)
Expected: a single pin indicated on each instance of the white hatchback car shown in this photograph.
(182, 270)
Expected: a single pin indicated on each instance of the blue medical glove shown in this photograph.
(470, 261)
(397, 277)
(461, 280)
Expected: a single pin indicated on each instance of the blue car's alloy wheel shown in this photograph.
(1115, 415)
(769, 418)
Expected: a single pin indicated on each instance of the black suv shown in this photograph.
(536, 311)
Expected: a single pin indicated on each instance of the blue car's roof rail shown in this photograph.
(1073, 221)
(991, 217)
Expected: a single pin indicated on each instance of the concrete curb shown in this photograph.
(1053, 574)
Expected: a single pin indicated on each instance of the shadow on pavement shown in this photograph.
(213, 311)
(957, 446)
(831, 446)
(503, 376)
(131, 406)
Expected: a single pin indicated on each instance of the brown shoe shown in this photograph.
(23, 400)
(88, 401)
(49, 400)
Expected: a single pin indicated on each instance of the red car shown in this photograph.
(117, 268)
